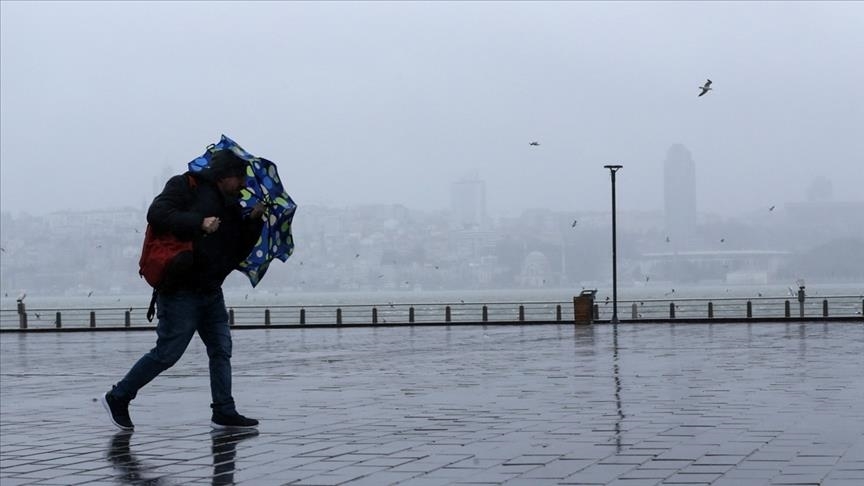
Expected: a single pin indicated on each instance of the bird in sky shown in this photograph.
(574, 223)
(534, 144)
(705, 88)
(89, 293)
(667, 239)
(356, 255)
(771, 208)
(722, 240)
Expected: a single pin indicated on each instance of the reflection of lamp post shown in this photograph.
(612, 170)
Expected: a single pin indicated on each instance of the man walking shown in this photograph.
(202, 207)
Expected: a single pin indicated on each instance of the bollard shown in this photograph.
(92, 319)
(266, 317)
(128, 319)
(788, 309)
(485, 314)
(338, 316)
(596, 312)
(802, 295)
(374, 315)
(710, 310)
(447, 314)
(22, 314)
(411, 314)
(558, 313)
(749, 309)
(824, 307)
(302, 316)
(230, 317)
(671, 310)
(521, 313)
(634, 311)
(57, 320)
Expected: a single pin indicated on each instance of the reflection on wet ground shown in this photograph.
(724, 404)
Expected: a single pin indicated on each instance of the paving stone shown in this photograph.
(633, 405)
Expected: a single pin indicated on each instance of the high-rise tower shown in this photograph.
(679, 190)
(468, 202)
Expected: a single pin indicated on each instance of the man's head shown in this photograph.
(229, 172)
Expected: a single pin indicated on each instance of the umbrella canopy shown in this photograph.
(262, 185)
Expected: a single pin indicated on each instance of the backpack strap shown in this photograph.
(151, 311)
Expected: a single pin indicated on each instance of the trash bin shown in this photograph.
(583, 307)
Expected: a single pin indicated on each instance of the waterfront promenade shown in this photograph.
(634, 404)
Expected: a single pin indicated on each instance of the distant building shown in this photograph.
(468, 202)
(679, 191)
(535, 271)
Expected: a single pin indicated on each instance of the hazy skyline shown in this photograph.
(391, 102)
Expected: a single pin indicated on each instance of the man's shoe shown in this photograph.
(235, 421)
(118, 412)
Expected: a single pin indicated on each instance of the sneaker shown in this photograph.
(235, 421)
(118, 412)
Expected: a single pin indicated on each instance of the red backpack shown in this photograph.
(156, 255)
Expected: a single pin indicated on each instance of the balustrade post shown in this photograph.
(788, 309)
(127, 319)
(710, 310)
(266, 317)
(302, 316)
(92, 318)
(824, 307)
(558, 313)
(485, 314)
(230, 317)
(339, 316)
(22, 314)
(634, 311)
(749, 309)
(411, 314)
(596, 312)
(57, 320)
(671, 310)
(521, 313)
(374, 315)
(447, 314)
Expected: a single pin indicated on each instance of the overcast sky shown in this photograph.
(392, 102)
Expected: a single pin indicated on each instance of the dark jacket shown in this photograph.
(181, 209)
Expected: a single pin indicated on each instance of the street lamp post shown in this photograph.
(612, 170)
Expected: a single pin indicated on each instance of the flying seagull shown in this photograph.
(534, 144)
(771, 208)
(574, 223)
(706, 88)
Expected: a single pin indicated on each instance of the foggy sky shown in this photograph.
(392, 102)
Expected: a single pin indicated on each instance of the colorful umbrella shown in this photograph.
(262, 185)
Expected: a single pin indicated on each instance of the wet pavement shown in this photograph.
(635, 405)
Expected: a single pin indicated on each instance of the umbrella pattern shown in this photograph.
(262, 185)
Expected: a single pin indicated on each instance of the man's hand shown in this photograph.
(210, 224)
(257, 211)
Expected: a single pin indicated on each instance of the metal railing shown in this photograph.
(772, 308)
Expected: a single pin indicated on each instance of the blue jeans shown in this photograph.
(180, 315)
